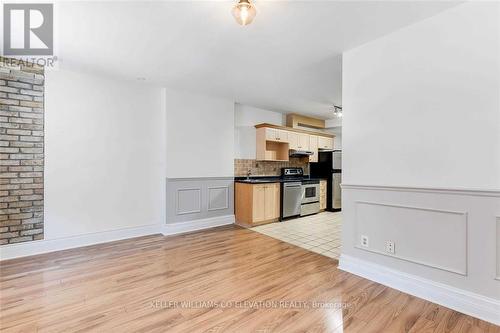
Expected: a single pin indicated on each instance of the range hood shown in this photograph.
(300, 153)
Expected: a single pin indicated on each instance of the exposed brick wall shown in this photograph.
(21, 152)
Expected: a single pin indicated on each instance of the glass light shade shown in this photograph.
(244, 12)
(337, 112)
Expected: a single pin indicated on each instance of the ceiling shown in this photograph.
(288, 59)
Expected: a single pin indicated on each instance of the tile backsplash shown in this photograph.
(267, 168)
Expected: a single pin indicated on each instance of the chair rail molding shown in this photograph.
(425, 189)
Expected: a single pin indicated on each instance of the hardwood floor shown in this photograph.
(227, 279)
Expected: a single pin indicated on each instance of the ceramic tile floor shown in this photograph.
(320, 233)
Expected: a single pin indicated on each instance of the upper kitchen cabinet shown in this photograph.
(303, 142)
(325, 142)
(272, 145)
(274, 134)
(274, 142)
(313, 146)
(293, 140)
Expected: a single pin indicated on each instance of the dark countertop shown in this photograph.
(257, 180)
(264, 180)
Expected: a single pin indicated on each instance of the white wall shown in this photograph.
(200, 135)
(334, 126)
(422, 105)
(245, 118)
(422, 120)
(103, 164)
(337, 142)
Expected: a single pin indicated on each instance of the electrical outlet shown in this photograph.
(390, 247)
(364, 241)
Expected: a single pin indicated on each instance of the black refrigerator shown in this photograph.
(329, 166)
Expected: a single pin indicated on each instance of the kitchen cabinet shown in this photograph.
(322, 194)
(272, 144)
(293, 140)
(313, 146)
(325, 143)
(303, 141)
(298, 141)
(257, 203)
(278, 135)
(272, 201)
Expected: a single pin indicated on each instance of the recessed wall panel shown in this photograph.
(423, 235)
(218, 198)
(188, 200)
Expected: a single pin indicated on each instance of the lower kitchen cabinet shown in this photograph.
(257, 203)
(322, 194)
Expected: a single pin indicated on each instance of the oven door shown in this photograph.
(310, 193)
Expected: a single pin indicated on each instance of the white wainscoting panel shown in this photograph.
(192, 199)
(498, 246)
(448, 236)
(408, 227)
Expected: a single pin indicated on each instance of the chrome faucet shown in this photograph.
(248, 174)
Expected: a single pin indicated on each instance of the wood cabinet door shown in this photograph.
(277, 199)
(282, 136)
(293, 140)
(271, 134)
(259, 203)
(322, 202)
(272, 201)
(274, 134)
(303, 141)
(325, 143)
(322, 194)
(313, 146)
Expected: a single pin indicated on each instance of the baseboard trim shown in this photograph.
(12, 251)
(194, 225)
(18, 250)
(472, 304)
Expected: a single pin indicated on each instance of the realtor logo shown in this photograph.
(28, 29)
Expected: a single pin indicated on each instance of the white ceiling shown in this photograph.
(288, 59)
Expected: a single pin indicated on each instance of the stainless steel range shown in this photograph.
(300, 195)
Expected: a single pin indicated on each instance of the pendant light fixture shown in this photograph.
(244, 12)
